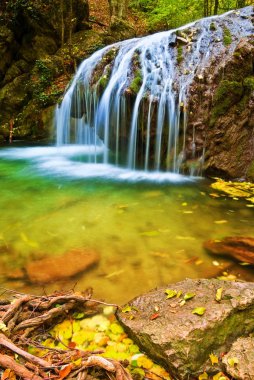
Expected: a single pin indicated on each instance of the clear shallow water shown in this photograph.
(147, 227)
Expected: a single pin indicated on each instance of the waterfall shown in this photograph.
(132, 97)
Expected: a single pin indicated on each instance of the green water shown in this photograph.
(148, 234)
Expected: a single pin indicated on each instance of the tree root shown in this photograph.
(26, 315)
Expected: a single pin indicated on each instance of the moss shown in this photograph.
(248, 83)
(213, 27)
(227, 38)
(237, 54)
(250, 171)
(179, 57)
(228, 93)
(136, 82)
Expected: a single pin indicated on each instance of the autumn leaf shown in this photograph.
(154, 316)
(199, 310)
(126, 309)
(203, 376)
(8, 374)
(150, 233)
(220, 376)
(214, 359)
(233, 361)
(64, 371)
(188, 296)
(218, 294)
(170, 293)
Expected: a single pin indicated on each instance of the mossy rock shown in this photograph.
(248, 83)
(227, 94)
(16, 69)
(227, 38)
(136, 83)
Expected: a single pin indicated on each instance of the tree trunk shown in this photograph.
(216, 7)
(206, 8)
(118, 9)
(240, 3)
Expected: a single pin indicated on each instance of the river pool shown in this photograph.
(148, 228)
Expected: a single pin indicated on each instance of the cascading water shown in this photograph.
(131, 98)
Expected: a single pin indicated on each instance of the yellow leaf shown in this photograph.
(8, 374)
(214, 359)
(203, 376)
(199, 310)
(233, 361)
(219, 376)
(218, 294)
(220, 221)
(150, 233)
(188, 296)
(170, 293)
(29, 242)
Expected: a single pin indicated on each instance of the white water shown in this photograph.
(146, 130)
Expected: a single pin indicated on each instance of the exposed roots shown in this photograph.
(24, 316)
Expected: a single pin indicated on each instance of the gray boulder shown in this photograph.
(239, 361)
(169, 330)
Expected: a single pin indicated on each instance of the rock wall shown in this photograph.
(222, 114)
(39, 48)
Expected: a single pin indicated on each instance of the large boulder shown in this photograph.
(201, 317)
(238, 247)
(239, 361)
(221, 114)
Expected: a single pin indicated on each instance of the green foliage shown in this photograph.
(136, 83)
(227, 38)
(179, 57)
(248, 83)
(170, 14)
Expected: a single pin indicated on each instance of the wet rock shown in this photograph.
(58, 268)
(16, 274)
(239, 361)
(240, 248)
(168, 330)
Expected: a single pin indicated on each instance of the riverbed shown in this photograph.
(147, 227)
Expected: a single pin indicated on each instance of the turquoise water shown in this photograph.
(147, 228)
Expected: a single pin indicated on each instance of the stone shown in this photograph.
(240, 248)
(242, 353)
(52, 269)
(182, 341)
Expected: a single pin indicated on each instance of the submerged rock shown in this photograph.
(240, 248)
(58, 268)
(239, 361)
(181, 332)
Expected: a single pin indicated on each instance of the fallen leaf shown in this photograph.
(214, 359)
(150, 233)
(220, 221)
(126, 309)
(154, 316)
(233, 361)
(203, 376)
(218, 294)
(170, 293)
(188, 296)
(64, 371)
(199, 310)
(8, 374)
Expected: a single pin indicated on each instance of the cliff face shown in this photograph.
(222, 114)
(38, 55)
